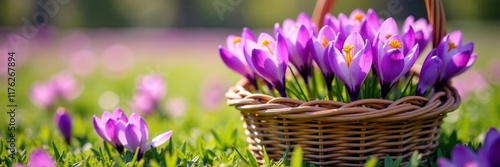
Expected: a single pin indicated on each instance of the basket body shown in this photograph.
(338, 134)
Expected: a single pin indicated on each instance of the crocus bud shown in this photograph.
(63, 122)
(429, 73)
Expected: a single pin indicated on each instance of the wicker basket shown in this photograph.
(333, 133)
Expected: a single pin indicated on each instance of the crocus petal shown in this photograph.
(63, 121)
(133, 137)
(361, 65)
(233, 62)
(98, 127)
(456, 37)
(119, 115)
(265, 65)
(230, 40)
(111, 131)
(410, 60)
(159, 140)
(281, 54)
(455, 65)
(247, 34)
(429, 73)
(122, 136)
(393, 65)
(387, 29)
(355, 40)
(491, 136)
(493, 153)
(338, 64)
(443, 162)
(462, 155)
(40, 158)
(267, 37)
(138, 122)
(408, 40)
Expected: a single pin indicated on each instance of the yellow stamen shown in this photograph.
(395, 44)
(359, 17)
(388, 36)
(325, 42)
(451, 46)
(266, 43)
(348, 54)
(236, 40)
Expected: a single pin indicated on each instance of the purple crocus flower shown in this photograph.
(63, 122)
(358, 21)
(234, 56)
(318, 47)
(456, 57)
(65, 86)
(39, 158)
(352, 64)
(271, 60)
(429, 73)
(106, 127)
(134, 134)
(150, 91)
(296, 40)
(487, 156)
(390, 62)
(332, 22)
(41, 95)
(153, 86)
(423, 31)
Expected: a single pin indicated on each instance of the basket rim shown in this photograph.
(373, 110)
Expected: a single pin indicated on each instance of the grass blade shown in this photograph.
(297, 157)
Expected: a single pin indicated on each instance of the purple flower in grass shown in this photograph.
(39, 158)
(456, 57)
(389, 59)
(422, 29)
(106, 127)
(318, 47)
(233, 56)
(65, 86)
(134, 135)
(271, 61)
(487, 156)
(150, 91)
(63, 122)
(352, 64)
(429, 73)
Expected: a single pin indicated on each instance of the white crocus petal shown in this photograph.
(159, 140)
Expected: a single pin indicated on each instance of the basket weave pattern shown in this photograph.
(336, 133)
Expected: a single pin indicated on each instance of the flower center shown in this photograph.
(451, 46)
(236, 40)
(395, 44)
(348, 54)
(325, 42)
(266, 43)
(359, 17)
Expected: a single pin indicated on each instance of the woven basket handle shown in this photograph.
(435, 15)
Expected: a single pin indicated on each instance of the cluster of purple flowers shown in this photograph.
(60, 87)
(149, 93)
(131, 133)
(347, 47)
(487, 156)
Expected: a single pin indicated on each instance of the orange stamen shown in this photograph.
(348, 54)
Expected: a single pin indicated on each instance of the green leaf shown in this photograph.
(253, 161)
(387, 161)
(284, 158)
(106, 148)
(266, 157)
(241, 156)
(397, 162)
(298, 83)
(297, 157)
(56, 151)
(372, 162)
(193, 161)
(171, 159)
